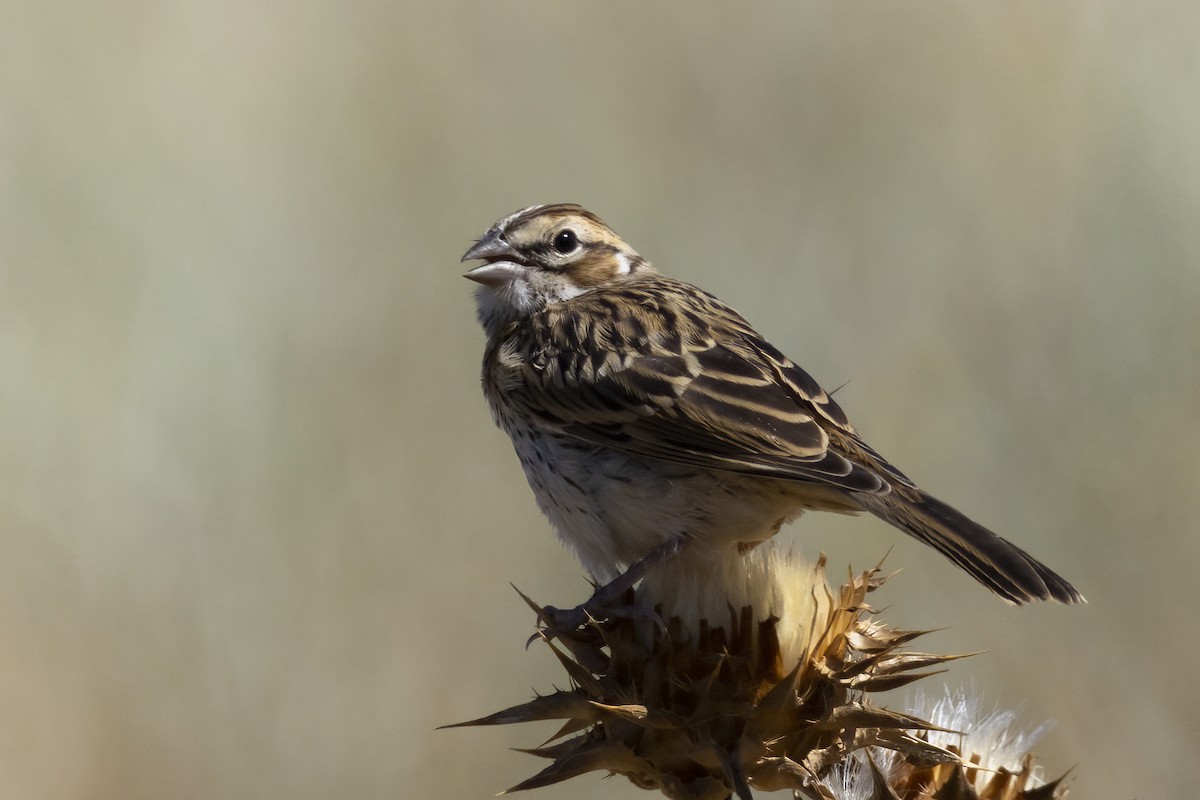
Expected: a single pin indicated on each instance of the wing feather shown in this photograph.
(691, 385)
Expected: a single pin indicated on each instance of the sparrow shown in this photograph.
(651, 419)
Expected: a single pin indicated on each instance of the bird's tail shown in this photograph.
(998, 564)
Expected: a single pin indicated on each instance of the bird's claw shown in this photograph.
(566, 620)
(613, 600)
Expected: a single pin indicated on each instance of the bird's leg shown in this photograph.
(595, 607)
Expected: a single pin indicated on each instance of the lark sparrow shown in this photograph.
(651, 418)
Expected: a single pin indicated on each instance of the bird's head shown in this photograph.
(546, 254)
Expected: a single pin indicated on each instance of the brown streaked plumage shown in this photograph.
(645, 411)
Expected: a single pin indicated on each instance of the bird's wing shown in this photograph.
(670, 372)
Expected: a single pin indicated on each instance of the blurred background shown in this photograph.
(256, 527)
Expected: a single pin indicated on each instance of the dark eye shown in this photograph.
(565, 241)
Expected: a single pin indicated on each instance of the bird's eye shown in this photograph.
(565, 241)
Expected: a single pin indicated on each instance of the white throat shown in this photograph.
(499, 305)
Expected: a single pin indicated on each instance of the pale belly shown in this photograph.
(612, 508)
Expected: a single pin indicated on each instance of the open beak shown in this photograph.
(503, 264)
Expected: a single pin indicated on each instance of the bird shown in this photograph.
(652, 420)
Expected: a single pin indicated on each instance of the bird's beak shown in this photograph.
(490, 247)
(503, 264)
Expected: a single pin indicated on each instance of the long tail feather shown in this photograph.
(998, 564)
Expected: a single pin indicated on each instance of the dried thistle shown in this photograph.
(994, 762)
(712, 678)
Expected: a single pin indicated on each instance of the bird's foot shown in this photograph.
(613, 600)
(610, 601)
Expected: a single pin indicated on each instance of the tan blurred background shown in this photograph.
(256, 527)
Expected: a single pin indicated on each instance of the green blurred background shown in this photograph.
(256, 527)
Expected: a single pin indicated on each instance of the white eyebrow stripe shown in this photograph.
(504, 223)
